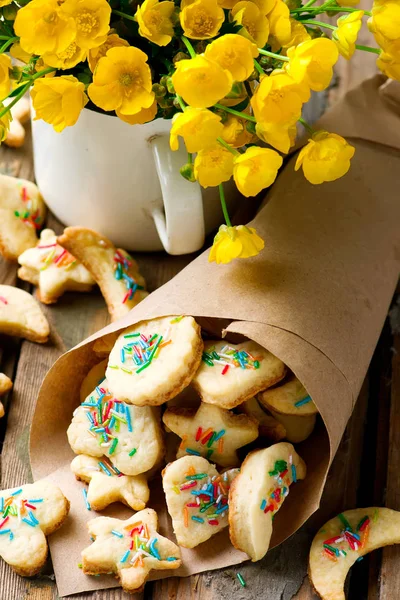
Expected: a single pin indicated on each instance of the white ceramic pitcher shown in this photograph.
(124, 182)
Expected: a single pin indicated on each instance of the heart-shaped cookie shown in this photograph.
(197, 499)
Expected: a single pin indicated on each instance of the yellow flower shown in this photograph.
(311, 62)
(43, 27)
(201, 19)
(5, 2)
(122, 81)
(17, 52)
(256, 170)
(213, 166)
(345, 36)
(155, 21)
(280, 26)
(201, 82)
(235, 242)
(255, 26)
(95, 54)
(325, 158)
(5, 84)
(199, 128)
(235, 132)
(298, 34)
(279, 98)
(234, 53)
(92, 20)
(389, 62)
(66, 59)
(143, 116)
(385, 21)
(58, 100)
(281, 137)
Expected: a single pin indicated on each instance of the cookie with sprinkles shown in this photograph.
(95, 377)
(153, 361)
(292, 406)
(258, 492)
(345, 539)
(129, 549)
(103, 346)
(230, 374)
(107, 484)
(20, 315)
(5, 386)
(22, 212)
(268, 426)
(53, 269)
(27, 515)
(211, 432)
(114, 270)
(130, 436)
(197, 499)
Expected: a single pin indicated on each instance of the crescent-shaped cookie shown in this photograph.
(20, 315)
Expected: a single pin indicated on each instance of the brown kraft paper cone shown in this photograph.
(316, 297)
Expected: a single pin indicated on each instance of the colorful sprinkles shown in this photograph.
(53, 254)
(140, 545)
(205, 440)
(284, 474)
(230, 357)
(209, 497)
(105, 417)
(15, 507)
(31, 214)
(348, 538)
(122, 265)
(140, 350)
(302, 402)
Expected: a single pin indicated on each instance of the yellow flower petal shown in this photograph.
(213, 166)
(199, 128)
(58, 100)
(325, 158)
(92, 21)
(201, 82)
(155, 21)
(345, 36)
(281, 137)
(95, 54)
(202, 19)
(312, 63)
(279, 98)
(255, 26)
(385, 21)
(235, 242)
(256, 170)
(5, 84)
(235, 132)
(234, 53)
(143, 116)
(66, 59)
(389, 61)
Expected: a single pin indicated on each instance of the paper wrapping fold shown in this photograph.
(316, 297)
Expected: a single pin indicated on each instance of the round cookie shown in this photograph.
(153, 361)
(130, 436)
(230, 374)
(20, 315)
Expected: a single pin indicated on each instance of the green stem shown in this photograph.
(124, 15)
(23, 89)
(189, 46)
(8, 43)
(319, 23)
(190, 158)
(223, 205)
(310, 3)
(368, 49)
(272, 54)
(258, 67)
(235, 112)
(181, 102)
(227, 146)
(306, 125)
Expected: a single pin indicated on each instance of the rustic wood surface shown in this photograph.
(365, 470)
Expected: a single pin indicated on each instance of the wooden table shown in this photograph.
(365, 471)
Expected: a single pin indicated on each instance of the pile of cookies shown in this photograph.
(217, 410)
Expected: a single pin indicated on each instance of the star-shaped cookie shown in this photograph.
(22, 211)
(116, 273)
(197, 498)
(5, 386)
(108, 485)
(130, 549)
(27, 515)
(53, 269)
(20, 315)
(211, 432)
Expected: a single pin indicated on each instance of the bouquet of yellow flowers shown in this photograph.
(232, 75)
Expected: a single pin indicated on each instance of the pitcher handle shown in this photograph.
(180, 223)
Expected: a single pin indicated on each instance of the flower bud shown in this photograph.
(187, 171)
(159, 90)
(10, 12)
(180, 56)
(170, 86)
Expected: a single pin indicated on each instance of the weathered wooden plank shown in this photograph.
(390, 573)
